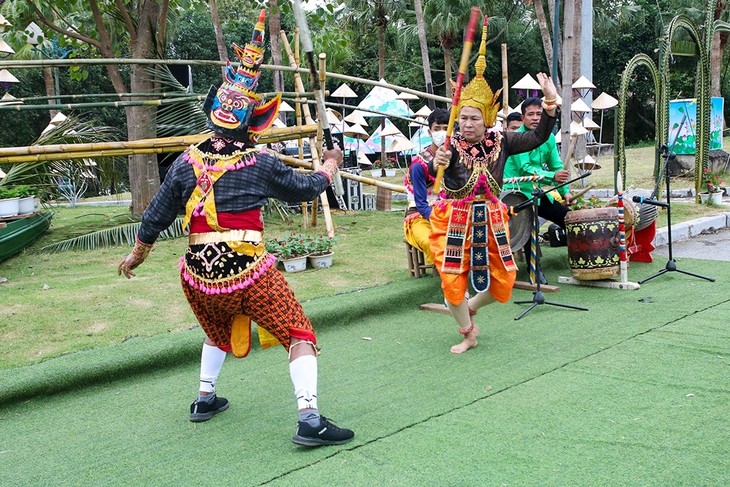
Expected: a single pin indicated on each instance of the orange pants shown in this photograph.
(417, 231)
(455, 285)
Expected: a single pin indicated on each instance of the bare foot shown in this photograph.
(469, 341)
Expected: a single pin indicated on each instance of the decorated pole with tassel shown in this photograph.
(623, 260)
(463, 66)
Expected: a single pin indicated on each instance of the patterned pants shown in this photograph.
(269, 302)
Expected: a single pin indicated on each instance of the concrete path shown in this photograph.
(703, 238)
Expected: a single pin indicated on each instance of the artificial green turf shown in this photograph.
(631, 392)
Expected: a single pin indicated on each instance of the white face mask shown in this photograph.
(438, 137)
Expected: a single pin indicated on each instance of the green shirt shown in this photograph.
(543, 161)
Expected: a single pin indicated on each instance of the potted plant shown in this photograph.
(713, 188)
(320, 256)
(387, 166)
(26, 195)
(9, 202)
(293, 251)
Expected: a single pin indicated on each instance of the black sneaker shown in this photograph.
(204, 410)
(326, 433)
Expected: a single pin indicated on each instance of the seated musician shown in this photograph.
(419, 183)
(543, 161)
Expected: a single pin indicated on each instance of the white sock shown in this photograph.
(303, 371)
(211, 362)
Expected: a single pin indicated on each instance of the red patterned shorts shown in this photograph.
(269, 302)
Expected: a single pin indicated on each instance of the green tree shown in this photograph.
(135, 29)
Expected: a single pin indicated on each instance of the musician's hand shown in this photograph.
(547, 86)
(561, 176)
(334, 154)
(568, 199)
(442, 157)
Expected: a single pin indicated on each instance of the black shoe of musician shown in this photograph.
(325, 433)
(204, 410)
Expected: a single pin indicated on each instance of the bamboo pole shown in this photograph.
(313, 147)
(292, 161)
(43, 63)
(300, 142)
(40, 153)
(505, 83)
(178, 97)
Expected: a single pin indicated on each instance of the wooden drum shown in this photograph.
(593, 240)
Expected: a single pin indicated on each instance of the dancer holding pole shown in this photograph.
(470, 238)
(227, 276)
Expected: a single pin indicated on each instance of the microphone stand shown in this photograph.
(671, 265)
(538, 297)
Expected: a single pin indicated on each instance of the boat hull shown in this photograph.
(18, 234)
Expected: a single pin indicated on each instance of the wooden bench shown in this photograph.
(417, 266)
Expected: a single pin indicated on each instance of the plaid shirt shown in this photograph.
(244, 189)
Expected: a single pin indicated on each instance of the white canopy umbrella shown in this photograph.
(356, 117)
(285, 107)
(391, 129)
(55, 122)
(374, 142)
(577, 128)
(356, 130)
(583, 83)
(424, 111)
(406, 96)
(344, 91)
(579, 106)
(363, 159)
(603, 102)
(590, 124)
(4, 23)
(5, 49)
(9, 99)
(526, 83)
(400, 144)
(7, 77)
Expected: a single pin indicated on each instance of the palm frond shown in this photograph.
(109, 237)
(175, 119)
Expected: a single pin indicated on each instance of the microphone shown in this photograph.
(664, 150)
(641, 200)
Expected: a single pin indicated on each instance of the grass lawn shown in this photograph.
(75, 301)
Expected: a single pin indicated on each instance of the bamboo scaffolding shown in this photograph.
(161, 95)
(41, 153)
(101, 104)
(292, 161)
(44, 63)
(313, 143)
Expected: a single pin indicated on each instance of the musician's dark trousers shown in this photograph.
(552, 211)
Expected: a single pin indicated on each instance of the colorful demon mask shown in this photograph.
(235, 110)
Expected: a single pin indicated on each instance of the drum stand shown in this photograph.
(671, 265)
(538, 297)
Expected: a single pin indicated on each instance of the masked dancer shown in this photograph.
(227, 276)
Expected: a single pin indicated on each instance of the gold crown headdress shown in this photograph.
(477, 94)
